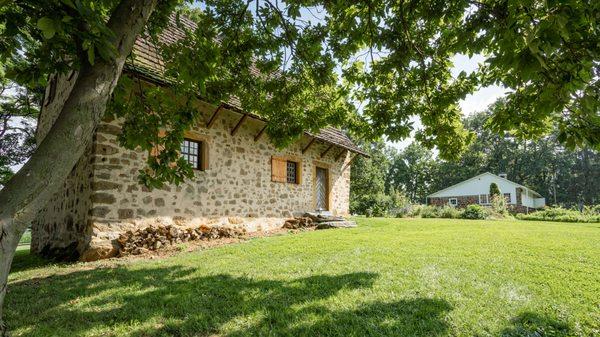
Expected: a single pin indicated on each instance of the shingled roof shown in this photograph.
(147, 63)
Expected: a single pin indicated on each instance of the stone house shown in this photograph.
(476, 191)
(240, 178)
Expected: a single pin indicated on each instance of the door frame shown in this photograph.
(327, 168)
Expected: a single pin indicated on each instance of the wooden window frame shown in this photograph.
(453, 204)
(487, 199)
(198, 153)
(280, 160)
(196, 137)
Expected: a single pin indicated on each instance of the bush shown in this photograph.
(429, 212)
(474, 212)
(414, 211)
(592, 210)
(449, 212)
(371, 205)
(498, 207)
(380, 204)
(562, 215)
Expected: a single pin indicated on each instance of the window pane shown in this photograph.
(190, 151)
(292, 172)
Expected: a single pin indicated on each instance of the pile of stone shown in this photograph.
(318, 221)
(151, 238)
(299, 223)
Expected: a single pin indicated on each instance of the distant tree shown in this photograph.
(411, 172)
(367, 186)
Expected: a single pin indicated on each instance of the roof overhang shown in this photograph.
(151, 77)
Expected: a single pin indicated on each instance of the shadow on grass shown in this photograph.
(533, 324)
(175, 301)
(24, 260)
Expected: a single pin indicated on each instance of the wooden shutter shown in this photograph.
(278, 170)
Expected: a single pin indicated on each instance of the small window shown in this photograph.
(292, 172)
(453, 202)
(284, 170)
(484, 199)
(191, 150)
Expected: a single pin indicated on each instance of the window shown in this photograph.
(452, 201)
(190, 151)
(286, 170)
(292, 172)
(484, 199)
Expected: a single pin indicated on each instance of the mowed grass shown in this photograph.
(388, 277)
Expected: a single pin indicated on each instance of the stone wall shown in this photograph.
(60, 228)
(236, 188)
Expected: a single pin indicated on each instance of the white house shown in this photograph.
(476, 191)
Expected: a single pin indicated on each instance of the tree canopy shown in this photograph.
(367, 66)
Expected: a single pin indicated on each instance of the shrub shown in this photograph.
(449, 212)
(429, 212)
(400, 205)
(562, 215)
(379, 204)
(592, 210)
(498, 207)
(414, 210)
(474, 212)
(371, 205)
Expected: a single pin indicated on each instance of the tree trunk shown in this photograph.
(32, 187)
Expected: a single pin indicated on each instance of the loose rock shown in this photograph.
(153, 238)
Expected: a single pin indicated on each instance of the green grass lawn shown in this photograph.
(388, 277)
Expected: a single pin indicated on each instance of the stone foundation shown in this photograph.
(103, 242)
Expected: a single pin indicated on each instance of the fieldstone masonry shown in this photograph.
(102, 198)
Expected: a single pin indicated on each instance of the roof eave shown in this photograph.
(158, 80)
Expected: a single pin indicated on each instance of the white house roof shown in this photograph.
(479, 176)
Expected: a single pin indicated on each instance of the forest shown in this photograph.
(392, 177)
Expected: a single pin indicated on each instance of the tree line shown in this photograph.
(392, 177)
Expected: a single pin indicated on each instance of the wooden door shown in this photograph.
(322, 188)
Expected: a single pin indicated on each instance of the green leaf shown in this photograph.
(47, 26)
(69, 3)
